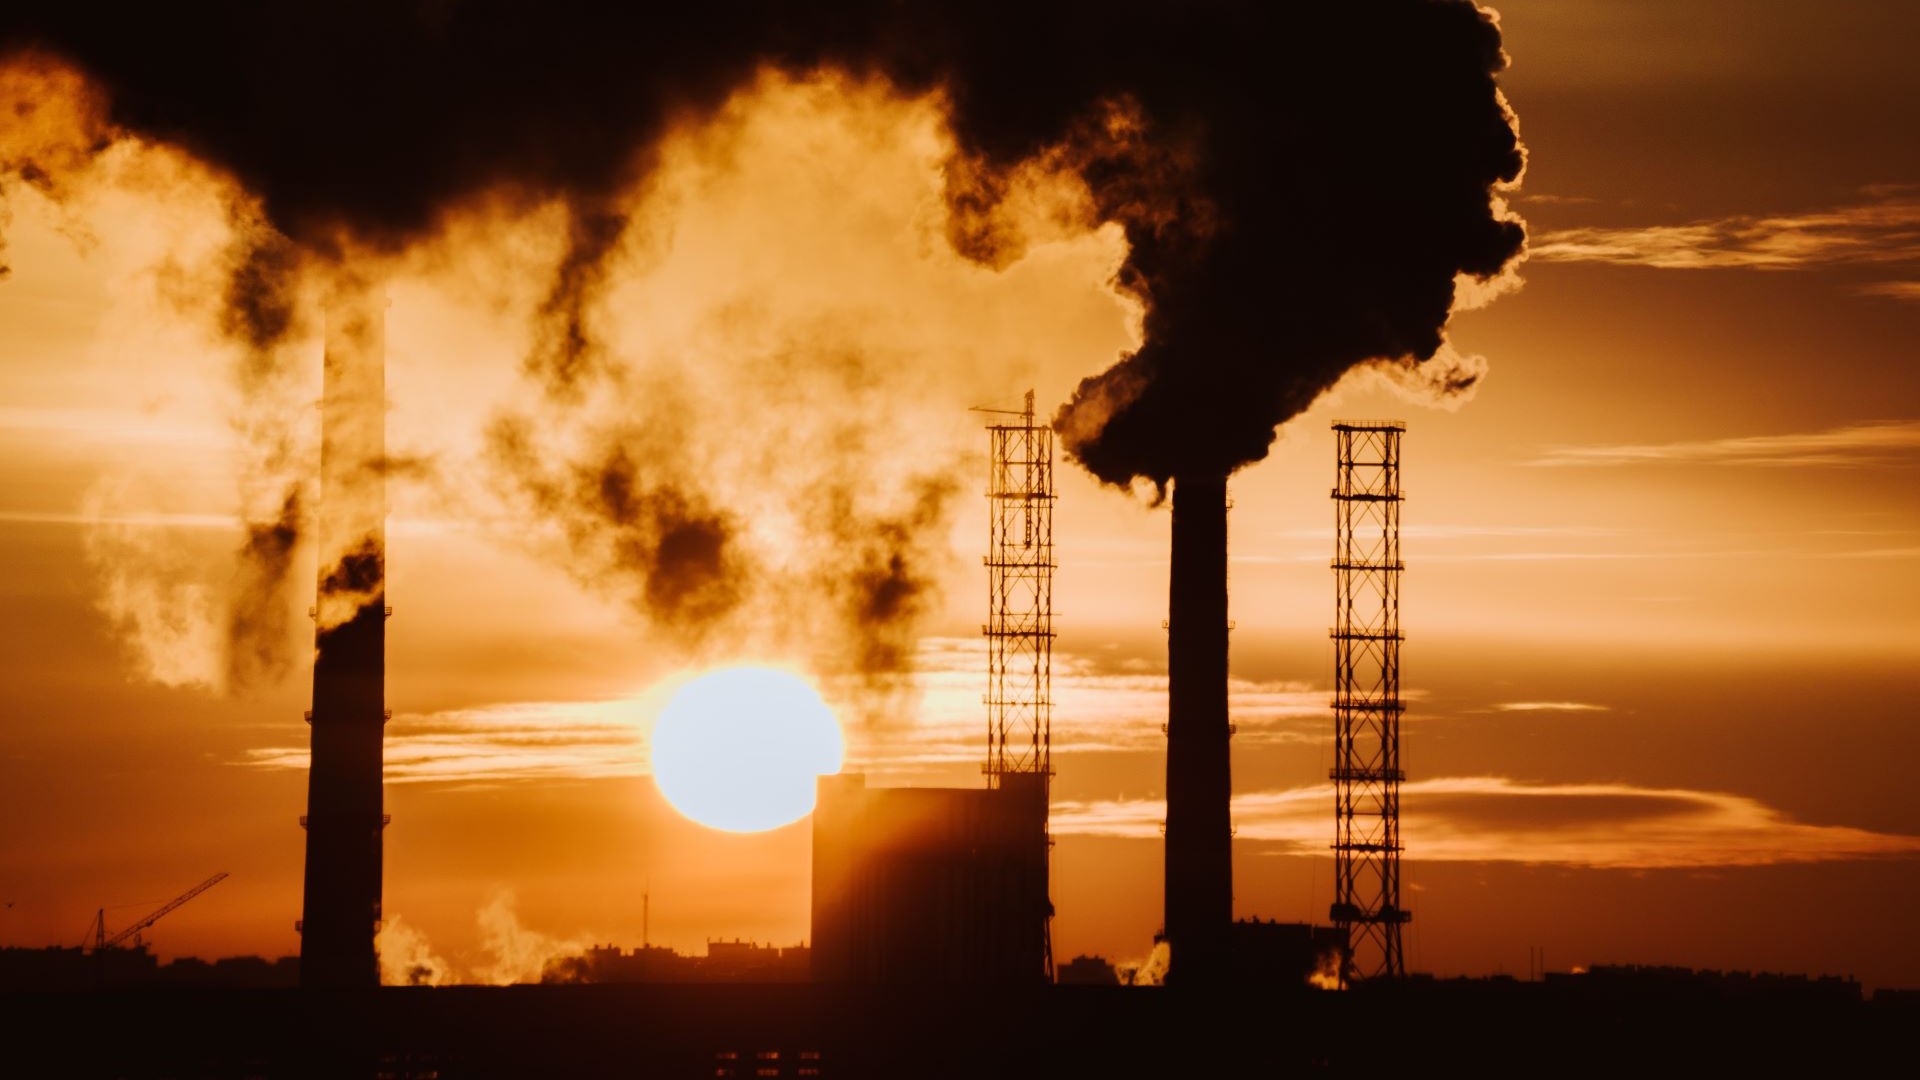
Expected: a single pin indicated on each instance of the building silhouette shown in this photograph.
(930, 885)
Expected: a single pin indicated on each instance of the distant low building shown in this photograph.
(232, 972)
(725, 962)
(1087, 971)
(1289, 954)
(1653, 979)
(75, 968)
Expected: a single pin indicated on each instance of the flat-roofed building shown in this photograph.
(930, 885)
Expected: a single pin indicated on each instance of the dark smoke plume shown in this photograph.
(886, 573)
(257, 622)
(1347, 183)
(1300, 183)
(632, 522)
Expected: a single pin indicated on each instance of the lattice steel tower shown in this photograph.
(1366, 698)
(1019, 629)
(1019, 632)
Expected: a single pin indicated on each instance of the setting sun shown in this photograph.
(740, 748)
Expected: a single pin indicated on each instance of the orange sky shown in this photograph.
(1660, 602)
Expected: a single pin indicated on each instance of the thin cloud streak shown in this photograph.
(115, 427)
(527, 741)
(396, 526)
(1496, 819)
(1550, 706)
(1892, 290)
(1883, 230)
(156, 520)
(1881, 553)
(1871, 442)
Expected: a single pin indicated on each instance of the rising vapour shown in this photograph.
(1300, 188)
(1301, 185)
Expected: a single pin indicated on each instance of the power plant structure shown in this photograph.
(929, 886)
(950, 885)
(1199, 828)
(345, 801)
(1206, 946)
(1367, 708)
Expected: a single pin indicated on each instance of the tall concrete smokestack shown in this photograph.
(1199, 884)
(345, 814)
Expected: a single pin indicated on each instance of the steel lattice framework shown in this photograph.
(1019, 629)
(1366, 698)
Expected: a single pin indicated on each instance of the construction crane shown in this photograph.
(102, 942)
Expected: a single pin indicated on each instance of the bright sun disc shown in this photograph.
(742, 748)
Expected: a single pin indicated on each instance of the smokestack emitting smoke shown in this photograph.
(1199, 852)
(1301, 188)
(345, 801)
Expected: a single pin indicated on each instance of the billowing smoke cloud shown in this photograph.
(257, 622)
(631, 521)
(1347, 184)
(887, 572)
(1301, 185)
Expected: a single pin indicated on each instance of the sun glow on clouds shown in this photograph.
(1096, 710)
(939, 723)
(1102, 710)
(1883, 228)
(1495, 819)
(498, 743)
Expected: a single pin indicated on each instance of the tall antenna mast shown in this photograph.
(1366, 699)
(1019, 628)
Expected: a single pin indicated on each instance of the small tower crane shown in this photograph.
(102, 942)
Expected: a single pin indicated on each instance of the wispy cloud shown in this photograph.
(1873, 442)
(1882, 229)
(119, 427)
(1549, 706)
(1428, 531)
(161, 519)
(1892, 290)
(1540, 198)
(524, 741)
(154, 520)
(1881, 553)
(1495, 819)
(1098, 708)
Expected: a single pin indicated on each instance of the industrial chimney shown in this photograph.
(1199, 882)
(345, 814)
